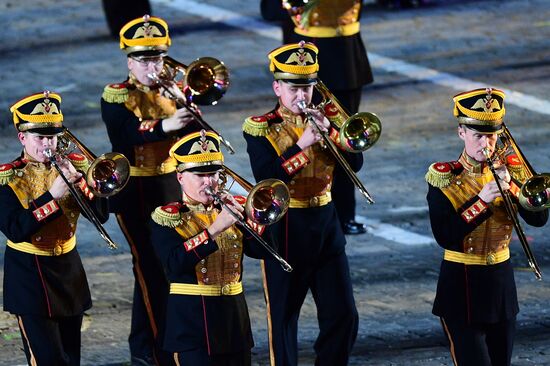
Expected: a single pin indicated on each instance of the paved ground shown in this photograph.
(421, 58)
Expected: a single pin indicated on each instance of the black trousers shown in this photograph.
(343, 190)
(480, 345)
(331, 289)
(200, 357)
(51, 341)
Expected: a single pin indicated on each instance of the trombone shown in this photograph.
(267, 203)
(357, 133)
(533, 187)
(106, 176)
(205, 82)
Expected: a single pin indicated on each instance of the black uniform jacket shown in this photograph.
(49, 286)
(219, 324)
(128, 132)
(306, 235)
(472, 293)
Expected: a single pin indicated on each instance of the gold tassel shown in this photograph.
(438, 179)
(164, 218)
(78, 162)
(254, 128)
(115, 95)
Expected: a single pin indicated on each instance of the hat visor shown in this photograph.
(299, 82)
(205, 169)
(46, 131)
(485, 129)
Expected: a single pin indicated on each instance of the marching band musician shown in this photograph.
(143, 123)
(201, 250)
(282, 144)
(45, 285)
(476, 297)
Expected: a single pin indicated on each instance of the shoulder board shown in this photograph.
(7, 173)
(441, 174)
(168, 215)
(115, 93)
(258, 125)
(517, 169)
(79, 161)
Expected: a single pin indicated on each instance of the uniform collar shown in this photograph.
(195, 205)
(290, 117)
(139, 86)
(29, 161)
(471, 165)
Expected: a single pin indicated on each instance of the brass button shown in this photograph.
(203, 270)
(57, 250)
(225, 290)
(203, 260)
(470, 250)
(38, 238)
(205, 280)
(491, 258)
(235, 265)
(234, 236)
(314, 201)
(470, 239)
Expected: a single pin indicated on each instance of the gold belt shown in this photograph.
(479, 259)
(150, 171)
(310, 202)
(206, 290)
(328, 32)
(44, 249)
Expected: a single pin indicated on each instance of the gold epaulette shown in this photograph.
(79, 161)
(115, 93)
(441, 174)
(256, 126)
(168, 215)
(7, 173)
(517, 170)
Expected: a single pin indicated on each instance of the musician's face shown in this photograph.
(35, 144)
(290, 94)
(140, 68)
(475, 142)
(194, 184)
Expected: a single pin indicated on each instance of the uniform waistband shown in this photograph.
(328, 32)
(44, 249)
(310, 202)
(479, 259)
(150, 171)
(206, 290)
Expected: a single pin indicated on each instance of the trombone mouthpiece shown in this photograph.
(153, 76)
(486, 152)
(301, 104)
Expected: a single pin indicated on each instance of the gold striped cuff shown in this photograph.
(479, 259)
(206, 290)
(328, 32)
(44, 250)
(151, 171)
(310, 202)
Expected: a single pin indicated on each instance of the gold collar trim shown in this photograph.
(139, 86)
(196, 206)
(289, 117)
(471, 165)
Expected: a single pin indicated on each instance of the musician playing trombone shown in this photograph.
(476, 297)
(45, 284)
(284, 144)
(201, 251)
(143, 122)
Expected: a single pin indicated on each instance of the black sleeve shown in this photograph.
(123, 126)
(173, 256)
(100, 207)
(19, 223)
(448, 226)
(264, 160)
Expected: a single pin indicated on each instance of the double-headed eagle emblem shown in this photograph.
(203, 145)
(488, 104)
(300, 57)
(147, 30)
(46, 106)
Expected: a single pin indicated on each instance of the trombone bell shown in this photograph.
(108, 174)
(267, 202)
(360, 132)
(535, 193)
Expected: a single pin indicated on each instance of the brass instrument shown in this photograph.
(507, 140)
(106, 176)
(205, 81)
(357, 133)
(267, 203)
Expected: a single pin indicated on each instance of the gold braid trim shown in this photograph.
(255, 128)
(164, 218)
(438, 179)
(115, 94)
(6, 176)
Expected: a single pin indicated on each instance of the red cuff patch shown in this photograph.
(148, 125)
(295, 163)
(46, 210)
(474, 211)
(196, 241)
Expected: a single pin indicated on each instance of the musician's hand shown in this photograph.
(503, 174)
(173, 92)
(309, 137)
(319, 118)
(179, 120)
(59, 188)
(490, 191)
(225, 219)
